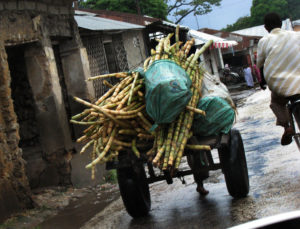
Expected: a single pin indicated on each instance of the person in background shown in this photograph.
(256, 72)
(279, 55)
(248, 76)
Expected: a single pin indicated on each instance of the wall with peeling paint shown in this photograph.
(36, 27)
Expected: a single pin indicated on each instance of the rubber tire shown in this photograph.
(234, 166)
(296, 119)
(134, 191)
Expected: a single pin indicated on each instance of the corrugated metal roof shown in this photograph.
(297, 22)
(201, 38)
(261, 31)
(91, 21)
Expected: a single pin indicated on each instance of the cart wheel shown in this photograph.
(296, 123)
(134, 190)
(234, 166)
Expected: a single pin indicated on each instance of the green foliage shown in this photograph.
(181, 8)
(285, 8)
(111, 176)
(154, 8)
(261, 7)
(293, 9)
(242, 22)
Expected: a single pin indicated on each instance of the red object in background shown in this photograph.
(249, 60)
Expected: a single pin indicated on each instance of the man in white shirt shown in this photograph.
(279, 55)
(248, 77)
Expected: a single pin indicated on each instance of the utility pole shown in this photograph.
(138, 7)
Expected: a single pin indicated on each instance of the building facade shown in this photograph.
(43, 64)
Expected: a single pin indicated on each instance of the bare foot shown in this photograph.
(202, 190)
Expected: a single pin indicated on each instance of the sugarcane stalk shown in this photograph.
(168, 146)
(141, 94)
(134, 149)
(127, 132)
(146, 63)
(86, 146)
(85, 123)
(123, 101)
(145, 136)
(106, 83)
(175, 138)
(189, 46)
(121, 85)
(108, 145)
(167, 43)
(146, 121)
(93, 158)
(80, 115)
(158, 155)
(136, 75)
(81, 139)
(200, 51)
(198, 147)
(97, 133)
(101, 110)
(126, 116)
(198, 111)
(177, 37)
(106, 95)
(120, 112)
(159, 49)
(118, 75)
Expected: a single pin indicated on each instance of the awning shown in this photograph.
(218, 42)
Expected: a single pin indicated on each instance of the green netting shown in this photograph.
(167, 91)
(219, 117)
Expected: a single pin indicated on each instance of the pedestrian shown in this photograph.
(248, 76)
(278, 53)
(256, 72)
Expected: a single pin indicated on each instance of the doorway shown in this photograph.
(24, 107)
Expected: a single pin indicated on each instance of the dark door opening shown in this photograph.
(24, 107)
(63, 86)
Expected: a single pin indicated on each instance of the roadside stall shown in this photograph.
(212, 58)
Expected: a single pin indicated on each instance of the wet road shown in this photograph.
(274, 173)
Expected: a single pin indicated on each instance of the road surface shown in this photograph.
(274, 173)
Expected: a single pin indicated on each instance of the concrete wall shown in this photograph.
(76, 71)
(212, 61)
(37, 24)
(135, 48)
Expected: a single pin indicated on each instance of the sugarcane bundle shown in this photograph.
(119, 120)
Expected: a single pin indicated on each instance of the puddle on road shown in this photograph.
(77, 213)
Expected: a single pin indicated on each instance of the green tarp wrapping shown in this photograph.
(167, 91)
(219, 117)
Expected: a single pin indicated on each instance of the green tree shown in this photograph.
(154, 8)
(285, 8)
(241, 23)
(261, 7)
(181, 8)
(294, 9)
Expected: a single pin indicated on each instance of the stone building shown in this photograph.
(43, 64)
(112, 45)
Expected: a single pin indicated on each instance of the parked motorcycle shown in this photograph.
(230, 77)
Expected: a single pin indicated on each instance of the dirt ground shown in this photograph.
(51, 201)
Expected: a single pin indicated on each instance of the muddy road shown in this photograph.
(274, 173)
